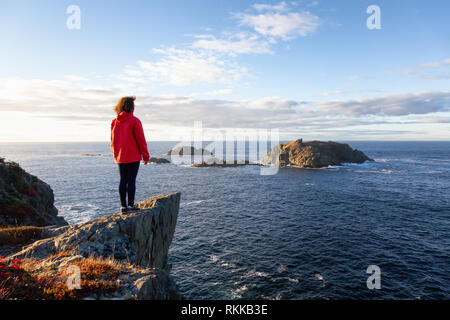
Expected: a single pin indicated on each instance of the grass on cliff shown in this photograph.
(25, 280)
(19, 235)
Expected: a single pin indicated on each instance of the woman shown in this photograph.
(129, 146)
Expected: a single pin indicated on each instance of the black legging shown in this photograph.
(128, 173)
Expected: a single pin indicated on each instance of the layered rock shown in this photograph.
(314, 154)
(25, 200)
(140, 239)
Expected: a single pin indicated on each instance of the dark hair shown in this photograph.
(125, 104)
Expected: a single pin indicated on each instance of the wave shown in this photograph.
(433, 171)
(429, 161)
(77, 213)
(293, 280)
(237, 293)
(214, 258)
(184, 204)
(254, 273)
(281, 269)
(342, 166)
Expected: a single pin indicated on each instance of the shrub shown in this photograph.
(19, 235)
(19, 280)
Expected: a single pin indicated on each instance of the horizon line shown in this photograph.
(350, 140)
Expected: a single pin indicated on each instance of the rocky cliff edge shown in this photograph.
(139, 240)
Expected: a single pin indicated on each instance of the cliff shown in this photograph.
(136, 244)
(25, 200)
(315, 154)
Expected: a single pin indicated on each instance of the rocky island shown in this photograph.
(118, 256)
(187, 150)
(215, 162)
(158, 160)
(311, 154)
(314, 154)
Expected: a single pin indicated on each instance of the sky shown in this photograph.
(310, 69)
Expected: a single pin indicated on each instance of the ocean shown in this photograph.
(299, 234)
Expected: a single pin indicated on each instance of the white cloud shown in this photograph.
(332, 93)
(279, 25)
(434, 64)
(71, 77)
(313, 4)
(347, 92)
(220, 92)
(271, 22)
(432, 70)
(58, 97)
(277, 104)
(211, 59)
(436, 76)
(282, 6)
(389, 105)
(240, 43)
(63, 100)
(131, 79)
(354, 77)
(182, 67)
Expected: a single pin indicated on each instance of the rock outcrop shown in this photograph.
(139, 240)
(314, 154)
(25, 200)
(159, 160)
(215, 162)
(187, 150)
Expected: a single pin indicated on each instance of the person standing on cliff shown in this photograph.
(129, 147)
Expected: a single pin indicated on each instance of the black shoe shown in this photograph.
(133, 208)
(123, 210)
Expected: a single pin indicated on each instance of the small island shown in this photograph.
(159, 160)
(314, 154)
(215, 162)
(187, 150)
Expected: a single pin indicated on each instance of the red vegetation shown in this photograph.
(31, 192)
(19, 282)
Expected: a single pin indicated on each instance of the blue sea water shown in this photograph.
(299, 234)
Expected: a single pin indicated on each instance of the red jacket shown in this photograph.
(128, 142)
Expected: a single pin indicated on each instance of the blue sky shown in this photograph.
(309, 68)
